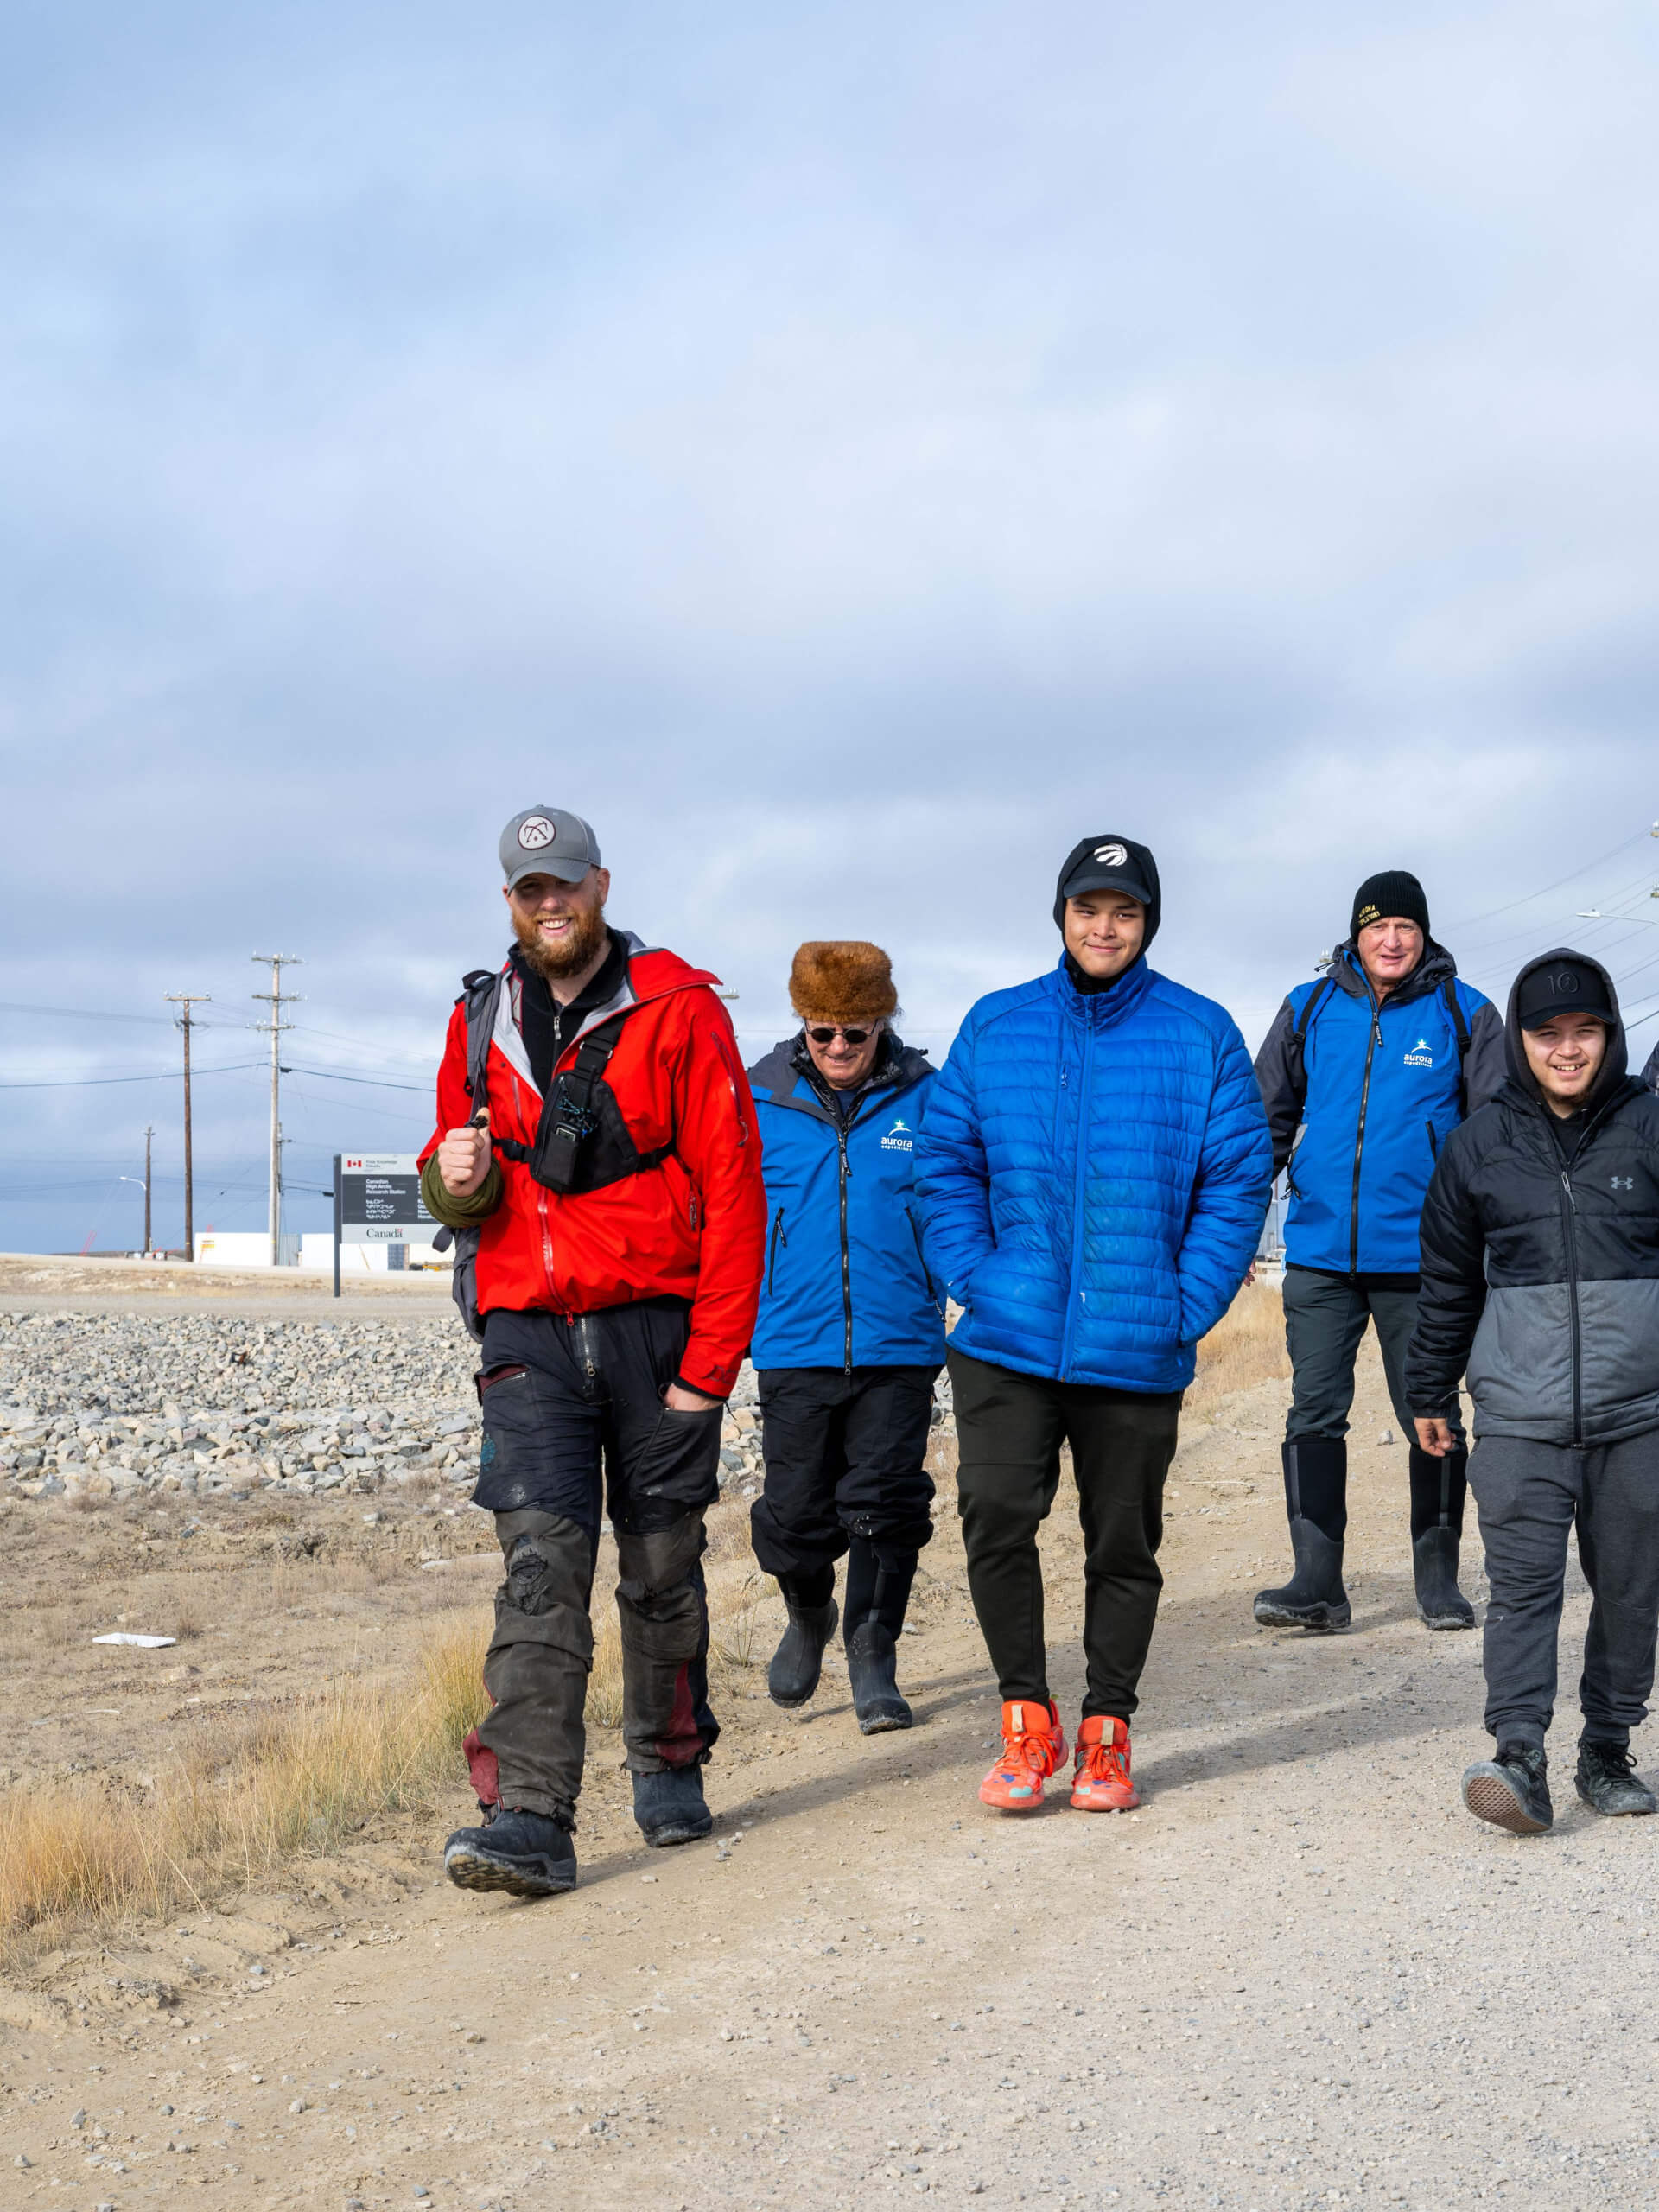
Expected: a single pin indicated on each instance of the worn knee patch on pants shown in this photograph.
(537, 1667)
(663, 1612)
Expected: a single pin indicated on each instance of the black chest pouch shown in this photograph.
(582, 1143)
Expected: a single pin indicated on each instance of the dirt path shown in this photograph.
(1300, 1975)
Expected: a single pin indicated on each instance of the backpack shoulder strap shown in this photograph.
(479, 991)
(1459, 1020)
(1295, 1044)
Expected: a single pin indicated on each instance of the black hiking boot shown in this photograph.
(526, 1854)
(872, 1667)
(1511, 1791)
(669, 1806)
(1313, 1598)
(1440, 1604)
(798, 1661)
(1605, 1783)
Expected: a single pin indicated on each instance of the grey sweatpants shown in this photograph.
(1529, 1495)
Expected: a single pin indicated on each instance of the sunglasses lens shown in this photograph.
(855, 1036)
(828, 1036)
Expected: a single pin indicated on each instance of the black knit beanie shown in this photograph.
(1393, 891)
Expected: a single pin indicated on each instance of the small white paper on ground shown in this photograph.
(148, 1643)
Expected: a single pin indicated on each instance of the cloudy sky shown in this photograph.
(847, 452)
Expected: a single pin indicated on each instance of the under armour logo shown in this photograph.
(1623, 1182)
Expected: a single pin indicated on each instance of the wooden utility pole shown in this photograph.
(188, 999)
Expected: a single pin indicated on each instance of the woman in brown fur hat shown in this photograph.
(851, 1334)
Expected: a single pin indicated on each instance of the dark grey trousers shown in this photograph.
(1529, 1495)
(1325, 1321)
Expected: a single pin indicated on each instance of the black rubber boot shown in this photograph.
(1512, 1791)
(1439, 1486)
(1440, 1604)
(669, 1806)
(1314, 1598)
(798, 1661)
(526, 1854)
(1316, 1500)
(872, 1669)
(1606, 1784)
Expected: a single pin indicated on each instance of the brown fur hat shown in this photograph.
(842, 980)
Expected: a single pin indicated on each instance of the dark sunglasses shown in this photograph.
(828, 1036)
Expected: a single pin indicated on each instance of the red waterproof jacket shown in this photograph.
(691, 1224)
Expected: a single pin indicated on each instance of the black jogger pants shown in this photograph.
(1009, 1430)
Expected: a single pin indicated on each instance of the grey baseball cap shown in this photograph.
(546, 841)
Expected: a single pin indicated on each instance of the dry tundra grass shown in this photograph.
(304, 1778)
(238, 1801)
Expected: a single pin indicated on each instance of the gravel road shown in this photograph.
(1301, 1977)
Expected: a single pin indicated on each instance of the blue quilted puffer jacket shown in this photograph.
(1093, 1172)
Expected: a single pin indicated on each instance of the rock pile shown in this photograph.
(118, 1404)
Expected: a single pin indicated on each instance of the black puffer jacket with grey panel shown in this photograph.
(1541, 1274)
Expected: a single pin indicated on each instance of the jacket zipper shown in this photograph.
(771, 1259)
(1080, 1185)
(1569, 1210)
(1371, 1042)
(846, 1254)
(1433, 1142)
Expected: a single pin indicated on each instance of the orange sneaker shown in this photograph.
(1102, 1782)
(1033, 1743)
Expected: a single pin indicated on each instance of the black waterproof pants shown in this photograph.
(1009, 1430)
(845, 1457)
(1325, 1321)
(1530, 1497)
(572, 1415)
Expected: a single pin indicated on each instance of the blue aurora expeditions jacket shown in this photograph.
(1375, 1092)
(845, 1284)
(1093, 1172)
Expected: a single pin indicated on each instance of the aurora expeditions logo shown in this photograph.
(897, 1138)
(1420, 1055)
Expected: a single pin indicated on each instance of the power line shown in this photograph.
(90, 1081)
(80, 1014)
(372, 1082)
(1469, 921)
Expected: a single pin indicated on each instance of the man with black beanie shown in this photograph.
(1366, 1071)
(1541, 1276)
(1093, 1171)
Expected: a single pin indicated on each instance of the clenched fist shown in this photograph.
(464, 1160)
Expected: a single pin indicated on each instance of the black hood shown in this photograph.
(1612, 1073)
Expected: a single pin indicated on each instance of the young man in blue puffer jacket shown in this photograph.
(851, 1336)
(1093, 1171)
(1364, 1073)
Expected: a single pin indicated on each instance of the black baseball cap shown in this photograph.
(1563, 985)
(1106, 864)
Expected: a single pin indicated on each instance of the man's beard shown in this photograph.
(553, 963)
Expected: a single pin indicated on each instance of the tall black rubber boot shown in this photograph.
(877, 1592)
(1316, 1500)
(1438, 1489)
(798, 1661)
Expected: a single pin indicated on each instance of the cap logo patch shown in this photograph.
(535, 832)
(1112, 855)
(1563, 981)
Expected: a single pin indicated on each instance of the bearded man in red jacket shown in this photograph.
(597, 1154)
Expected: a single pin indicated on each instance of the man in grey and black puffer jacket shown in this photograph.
(1541, 1273)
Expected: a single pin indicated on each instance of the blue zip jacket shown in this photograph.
(845, 1284)
(1376, 1092)
(1094, 1171)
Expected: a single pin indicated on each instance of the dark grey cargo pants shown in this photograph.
(1529, 1495)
